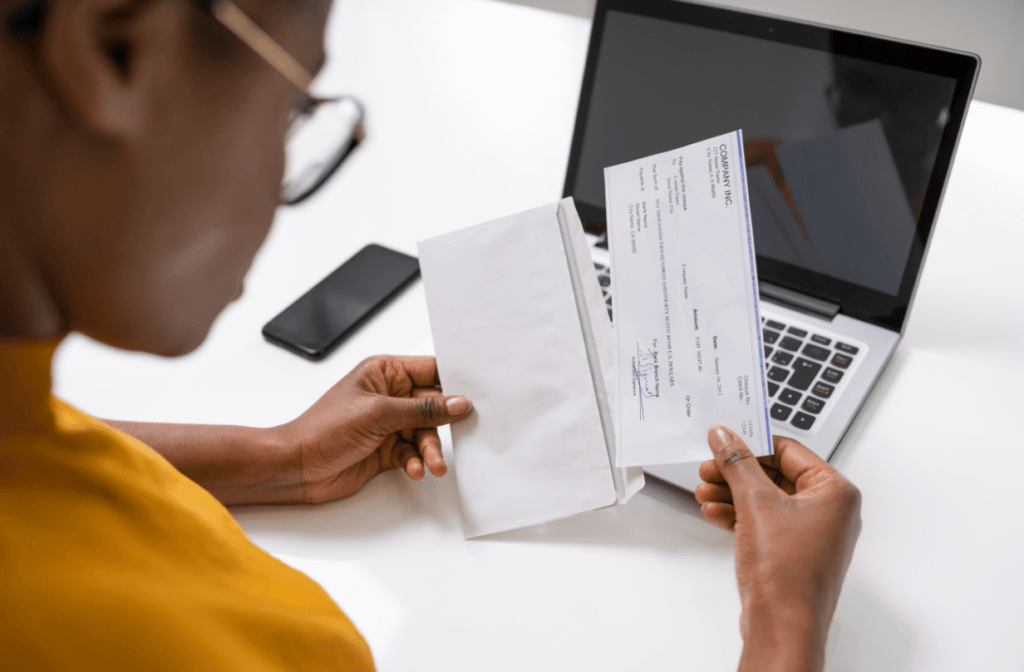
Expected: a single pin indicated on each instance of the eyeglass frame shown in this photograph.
(25, 20)
(245, 29)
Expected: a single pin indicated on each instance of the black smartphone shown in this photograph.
(322, 318)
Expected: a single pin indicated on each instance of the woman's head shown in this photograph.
(141, 155)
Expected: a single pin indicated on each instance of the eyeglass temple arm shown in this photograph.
(235, 20)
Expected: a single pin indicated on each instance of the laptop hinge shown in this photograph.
(798, 301)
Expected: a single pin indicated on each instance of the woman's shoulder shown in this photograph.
(103, 541)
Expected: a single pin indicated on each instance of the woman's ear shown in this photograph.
(95, 53)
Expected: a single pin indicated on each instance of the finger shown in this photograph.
(414, 468)
(411, 434)
(394, 453)
(735, 461)
(770, 465)
(395, 414)
(422, 370)
(709, 472)
(712, 492)
(719, 514)
(407, 457)
(429, 445)
(796, 461)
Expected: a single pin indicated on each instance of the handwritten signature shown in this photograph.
(643, 370)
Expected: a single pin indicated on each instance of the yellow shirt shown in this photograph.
(110, 559)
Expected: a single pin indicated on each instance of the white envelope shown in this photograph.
(520, 326)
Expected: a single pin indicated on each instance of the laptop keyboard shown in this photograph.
(605, 279)
(807, 367)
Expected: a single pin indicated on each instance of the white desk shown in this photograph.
(471, 105)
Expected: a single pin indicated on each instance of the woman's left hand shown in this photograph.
(380, 416)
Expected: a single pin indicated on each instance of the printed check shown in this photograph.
(687, 318)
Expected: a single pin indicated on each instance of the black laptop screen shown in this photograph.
(840, 150)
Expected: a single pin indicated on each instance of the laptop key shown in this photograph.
(770, 336)
(791, 397)
(823, 390)
(797, 332)
(803, 421)
(772, 389)
(776, 325)
(780, 412)
(768, 351)
(804, 373)
(604, 280)
(813, 405)
(821, 340)
(782, 357)
(832, 375)
(848, 349)
(600, 267)
(842, 361)
(790, 343)
(778, 374)
(815, 352)
(610, 315)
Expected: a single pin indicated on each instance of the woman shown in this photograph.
(141, 157)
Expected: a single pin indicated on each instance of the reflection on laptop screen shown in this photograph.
(839, 150)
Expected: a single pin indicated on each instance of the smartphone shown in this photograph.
(322, 318)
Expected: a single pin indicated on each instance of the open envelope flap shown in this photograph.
(507, 334)
(628, 480)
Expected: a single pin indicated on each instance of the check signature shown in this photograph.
(643, 370)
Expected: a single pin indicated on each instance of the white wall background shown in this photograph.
(993, 29)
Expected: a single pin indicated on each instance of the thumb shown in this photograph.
(736, 463)
(396, 414)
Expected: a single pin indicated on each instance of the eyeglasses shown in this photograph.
(322, 132)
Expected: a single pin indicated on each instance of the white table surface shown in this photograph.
(471, 105)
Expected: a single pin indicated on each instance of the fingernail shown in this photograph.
(719, 438)
(459, 405)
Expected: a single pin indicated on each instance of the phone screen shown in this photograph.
(322, 318)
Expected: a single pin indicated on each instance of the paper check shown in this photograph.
(687, 319)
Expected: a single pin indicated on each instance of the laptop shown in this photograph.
(848, 140)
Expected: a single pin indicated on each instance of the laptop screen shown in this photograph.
(841, 148)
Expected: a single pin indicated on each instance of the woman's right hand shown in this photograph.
(796, 521)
